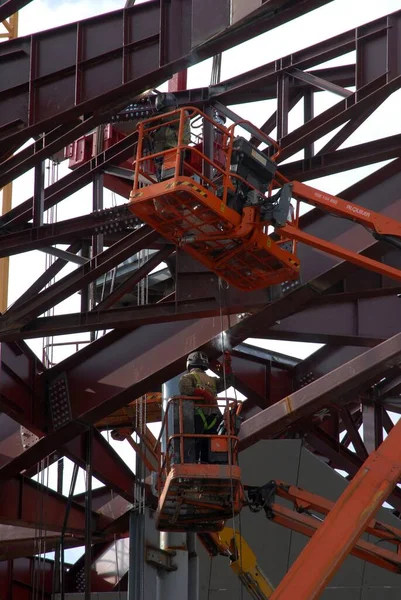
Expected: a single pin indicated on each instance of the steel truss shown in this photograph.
(354, 380)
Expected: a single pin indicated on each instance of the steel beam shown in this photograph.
(112, 220)
(132, 280)
(322, 124)
(24, 497)
(46, 277)
(319, 82)
(10, 7)
(107, 465)
(360, 373)
(346, 323)
(126, 46)
(68, 184)
(68, 285)
(119, 318)
(343, 160)
(104, 369)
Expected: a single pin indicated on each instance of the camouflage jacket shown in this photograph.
(198, 379)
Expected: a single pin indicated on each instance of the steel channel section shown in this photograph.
(124, 46)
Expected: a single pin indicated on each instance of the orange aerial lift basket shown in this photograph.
(230, 208)
(193, 206)
(199, 480)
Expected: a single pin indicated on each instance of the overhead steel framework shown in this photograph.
(57, 86)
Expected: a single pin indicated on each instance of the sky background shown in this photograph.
(334, 18)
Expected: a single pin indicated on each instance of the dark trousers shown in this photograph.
(202, 445)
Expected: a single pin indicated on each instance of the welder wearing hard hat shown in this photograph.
(196, 382)
(166, 137)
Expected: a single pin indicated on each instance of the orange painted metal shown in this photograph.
(197, 496)
(194, 215)
(191, 210)
(345, 523)
(374, 222)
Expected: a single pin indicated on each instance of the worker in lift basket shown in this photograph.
(196, 382)
(166, 137)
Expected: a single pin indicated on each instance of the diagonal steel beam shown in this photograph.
(45, 278)
(360, 373)
(348, 129)
(108, 220)
(338, 114)
(133, 279)
(103, 376)
(70, 183)
(343, 160)
(73, 282)
(319, 83)
(24, 496)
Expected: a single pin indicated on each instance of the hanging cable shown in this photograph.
(64, 527)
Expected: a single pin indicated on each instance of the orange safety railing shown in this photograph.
(181, 165)
(169, 454)
(234, 242)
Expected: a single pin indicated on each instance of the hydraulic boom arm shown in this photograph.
(380, 226)
(243, 562)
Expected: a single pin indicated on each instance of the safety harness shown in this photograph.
(207, 396)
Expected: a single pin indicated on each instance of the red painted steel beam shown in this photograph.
(107, 60)
(129, 283)
(75, 281)
(114, 219)
(363, 99)
(10, 7)
(10, 549)
(379, 35)
(20, 396)
(46, 276)
(122, 366)
(257, 84)
(69, 184)
(120, 318)
(360, 373)
(346, 323)
(24, 498)
(107, 465)
(343, 160)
